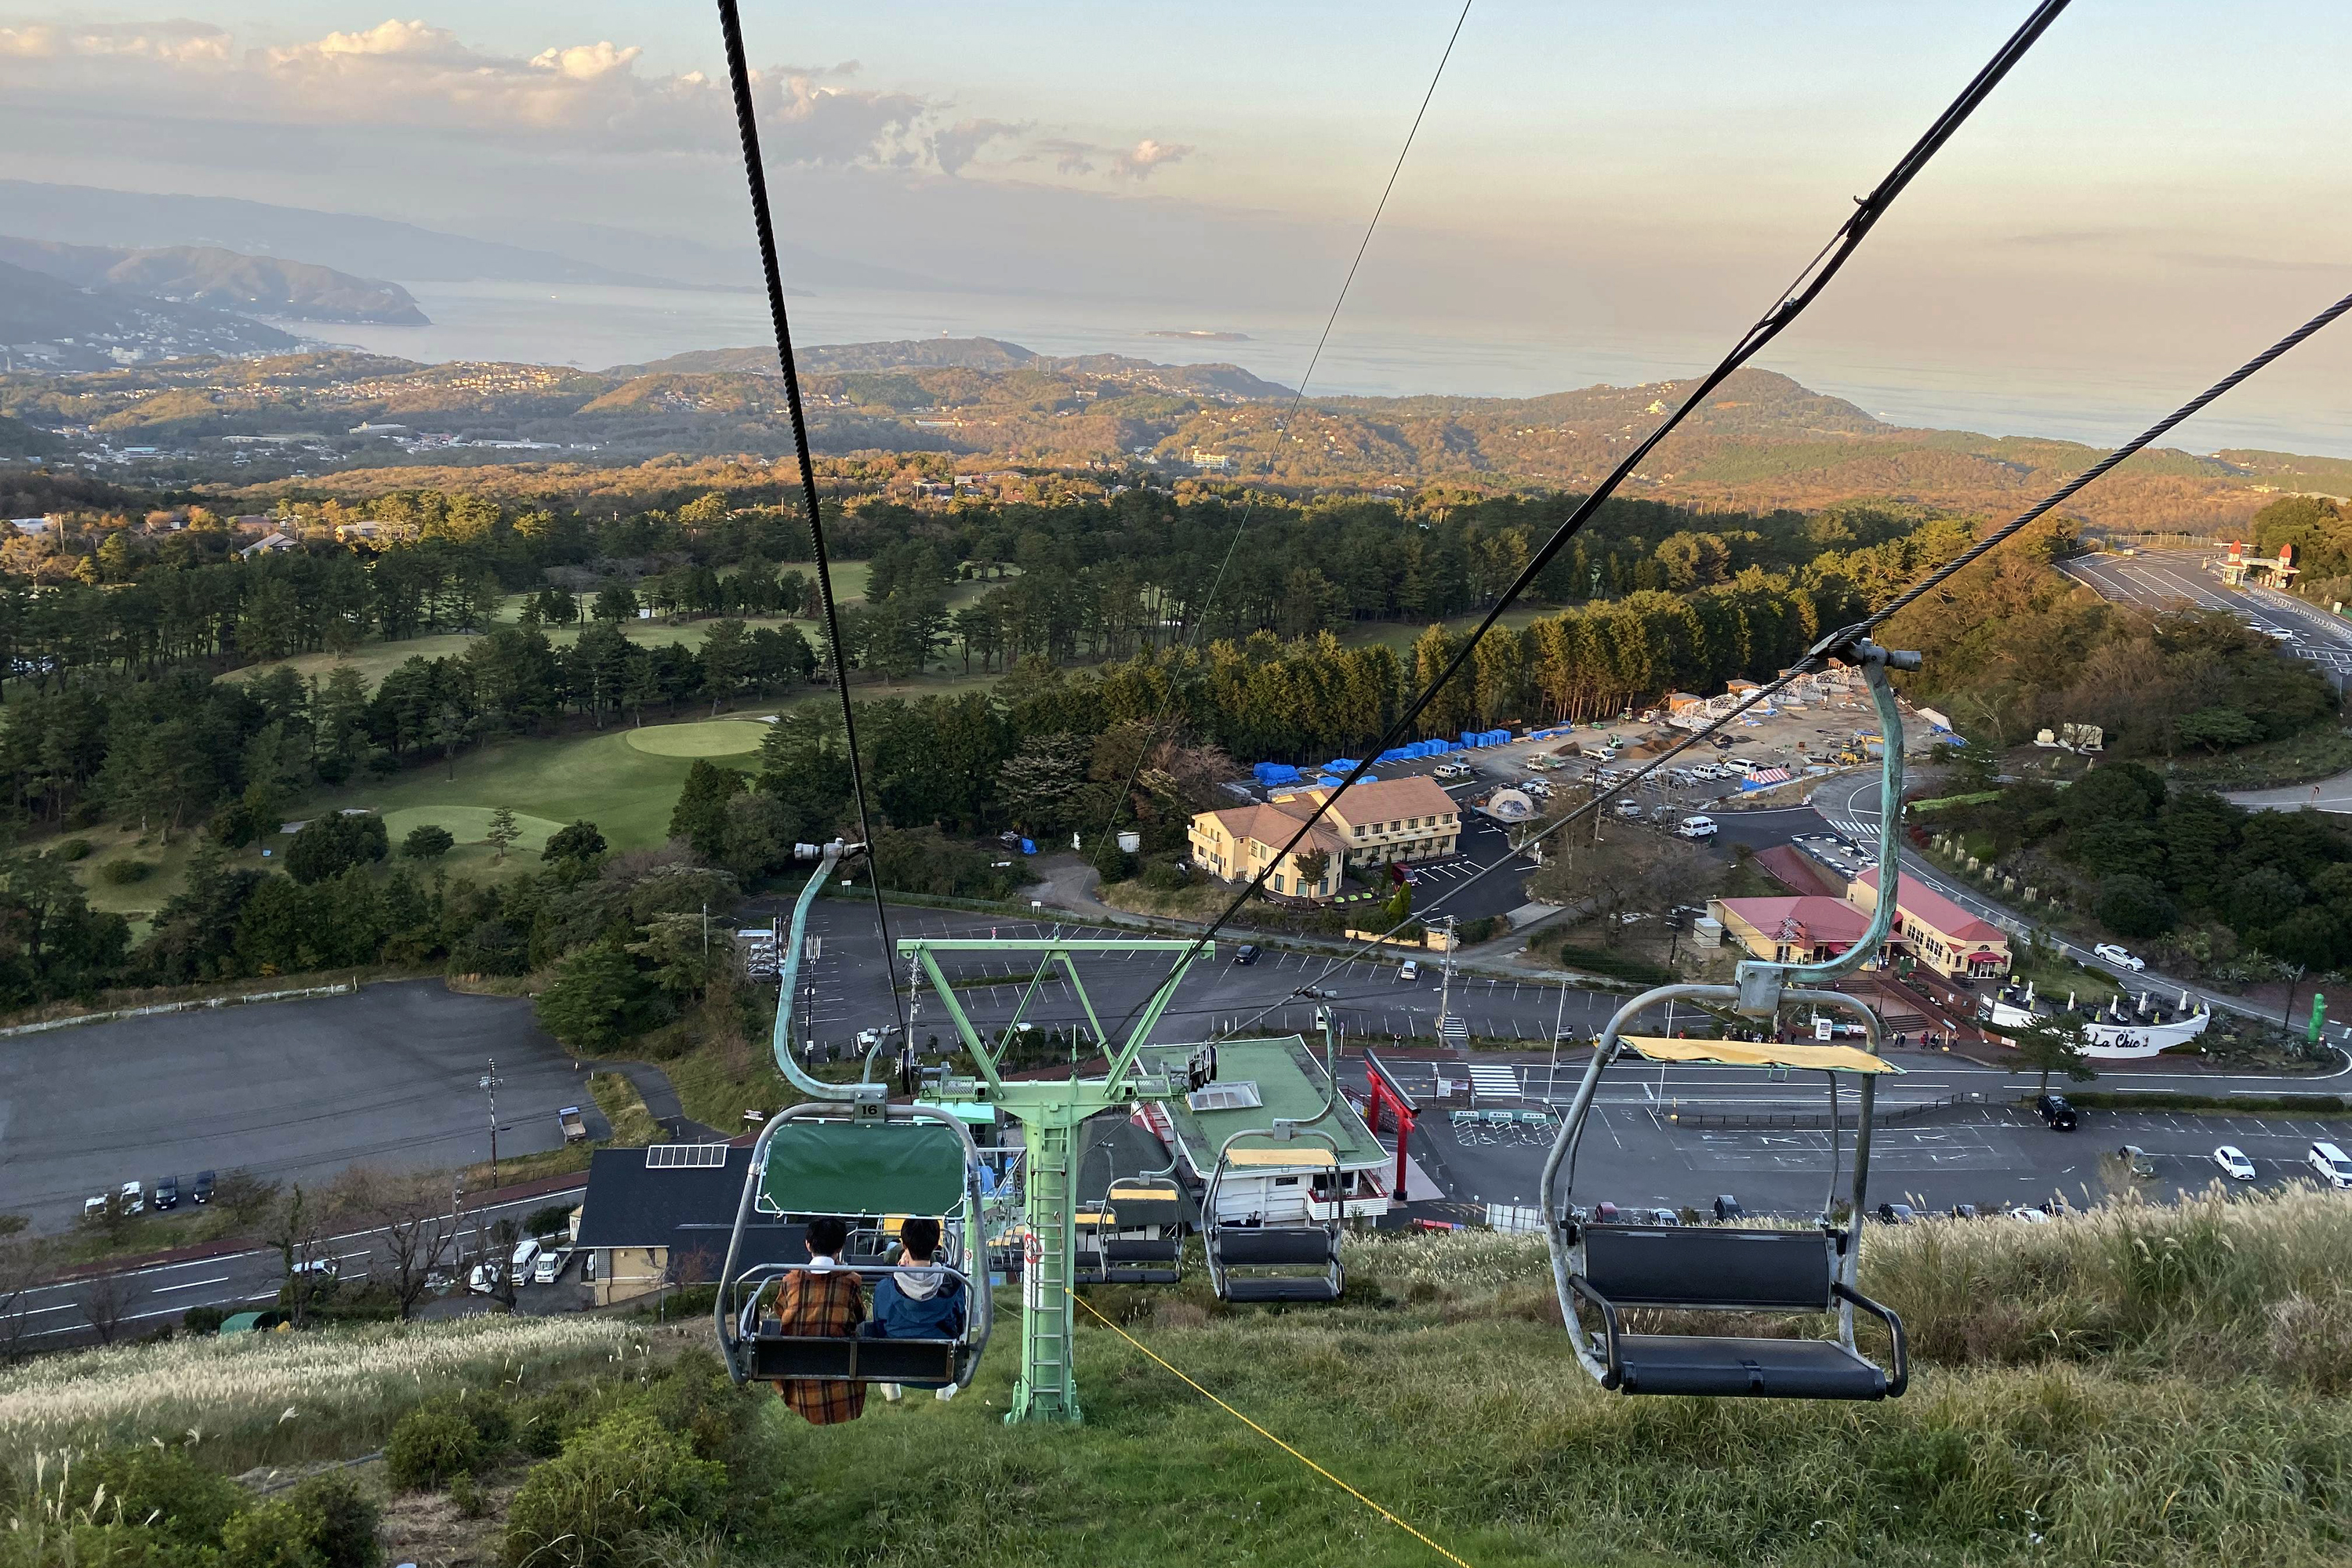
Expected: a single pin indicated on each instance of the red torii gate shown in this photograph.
(1383, 1095)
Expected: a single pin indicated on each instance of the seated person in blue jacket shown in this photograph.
(920, 1301)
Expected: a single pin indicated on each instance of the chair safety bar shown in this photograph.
(1314, 1244)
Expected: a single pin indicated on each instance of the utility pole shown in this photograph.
(489, 1082)
(1551, 1074)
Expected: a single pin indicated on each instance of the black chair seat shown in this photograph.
(1290, 1246)
(828, 1359)
(1746, 1368)
(1165, 1250)
(1318, 1289)
(1117, 1276)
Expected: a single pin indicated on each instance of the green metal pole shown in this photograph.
(1048, 1389)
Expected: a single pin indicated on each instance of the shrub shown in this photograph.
(184, 1502)
(342, 1519)
(450, 1436)
(616, 1479)
(556, 1219)
(123, 871)
(2132, 905)
(278, 1534)
(427, 841)
(74, 850)
(202, 1320)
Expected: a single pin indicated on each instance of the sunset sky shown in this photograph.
(2156, 188)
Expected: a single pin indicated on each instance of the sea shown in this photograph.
(2298, 407)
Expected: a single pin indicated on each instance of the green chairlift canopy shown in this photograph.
(851, 1168)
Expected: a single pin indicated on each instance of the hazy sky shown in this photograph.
(2159, 186)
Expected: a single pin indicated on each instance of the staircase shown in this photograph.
(1047, 1392)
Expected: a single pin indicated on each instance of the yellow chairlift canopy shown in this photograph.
(1757, 1054)
(1283, 1156)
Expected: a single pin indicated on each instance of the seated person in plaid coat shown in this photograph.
(822, 1300)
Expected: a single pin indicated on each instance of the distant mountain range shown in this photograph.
(52, 325)
(992, 355)
(222, 279)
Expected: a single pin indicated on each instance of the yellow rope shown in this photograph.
(1262, 1432)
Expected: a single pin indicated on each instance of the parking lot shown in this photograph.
(290, 1090)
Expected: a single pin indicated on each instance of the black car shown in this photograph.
(1245, 953)
(167, 1193)
(1896, 1214)
(2055, 1111)
(204, 1188)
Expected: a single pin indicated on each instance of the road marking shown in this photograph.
(196, 1284)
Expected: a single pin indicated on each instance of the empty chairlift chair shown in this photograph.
(1107, 1255)
(868, 1164)
(1605, 1270)
(1280, 1259)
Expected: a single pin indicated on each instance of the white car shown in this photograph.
(2332, 1164)
(134, 1198)
(1411, 971)
(1627, 806)
(2028, 1216)
(2233, 1162)
(1695, 828)
(526, 1258)
(1537, 788)
(1453, 770)
(551, 1265)
(2116, 956)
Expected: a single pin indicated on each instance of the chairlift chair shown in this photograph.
(1150, 1200)
(1256, 1251)
(1610, 1269)
(868, 1164)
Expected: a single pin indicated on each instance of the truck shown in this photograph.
(576, 1126)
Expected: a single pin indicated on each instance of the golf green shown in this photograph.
(710, 738)
(467, 824)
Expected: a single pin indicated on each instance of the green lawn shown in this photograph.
(712, 738)
(625, 792)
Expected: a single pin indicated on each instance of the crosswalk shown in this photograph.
(1494, 1080)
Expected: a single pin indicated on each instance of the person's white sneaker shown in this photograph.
(946, 1394)
(889, 1392)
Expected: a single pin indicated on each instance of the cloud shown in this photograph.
(177, 42)
(1138, 161)
(959, 144)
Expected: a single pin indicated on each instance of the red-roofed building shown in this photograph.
(1805, 929)
(1939, 933)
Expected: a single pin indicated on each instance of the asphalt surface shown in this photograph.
(290, 1090)
(1957, 1135)
(2160, 579)
(148, 1296)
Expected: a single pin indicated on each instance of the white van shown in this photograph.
(2335, 1167)
(1739, 767)
(1695, 828)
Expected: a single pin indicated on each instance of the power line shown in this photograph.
(1282, 425)
(1816, 657)
(755, 174)
(1791, 303)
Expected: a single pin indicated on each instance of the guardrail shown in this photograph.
(200, 1003)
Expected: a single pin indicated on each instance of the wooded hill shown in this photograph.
(934, 408)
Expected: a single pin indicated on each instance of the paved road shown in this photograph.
(291, 1090)
(2158, 579)
(1992, 1154)
(1852, 809)
(147, 1296)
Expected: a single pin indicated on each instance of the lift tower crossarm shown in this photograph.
(1052, 948)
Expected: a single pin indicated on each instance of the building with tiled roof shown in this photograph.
(1371, 823)
(1939, 933)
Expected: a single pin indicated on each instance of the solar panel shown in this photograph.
(684, 1156)
(1224, 1097)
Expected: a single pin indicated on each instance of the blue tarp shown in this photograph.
(1325, 781)
(1275, 774)
(1392, 756)
(1028, 847)
(1343, 764)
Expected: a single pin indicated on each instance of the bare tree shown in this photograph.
(419, 1229)
(244, 1195)
(1630, 870)
(496, 1244)
(298, 1229)
(21, 1264)
(106, 1300)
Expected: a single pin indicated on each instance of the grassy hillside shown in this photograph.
(2138, 1385)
